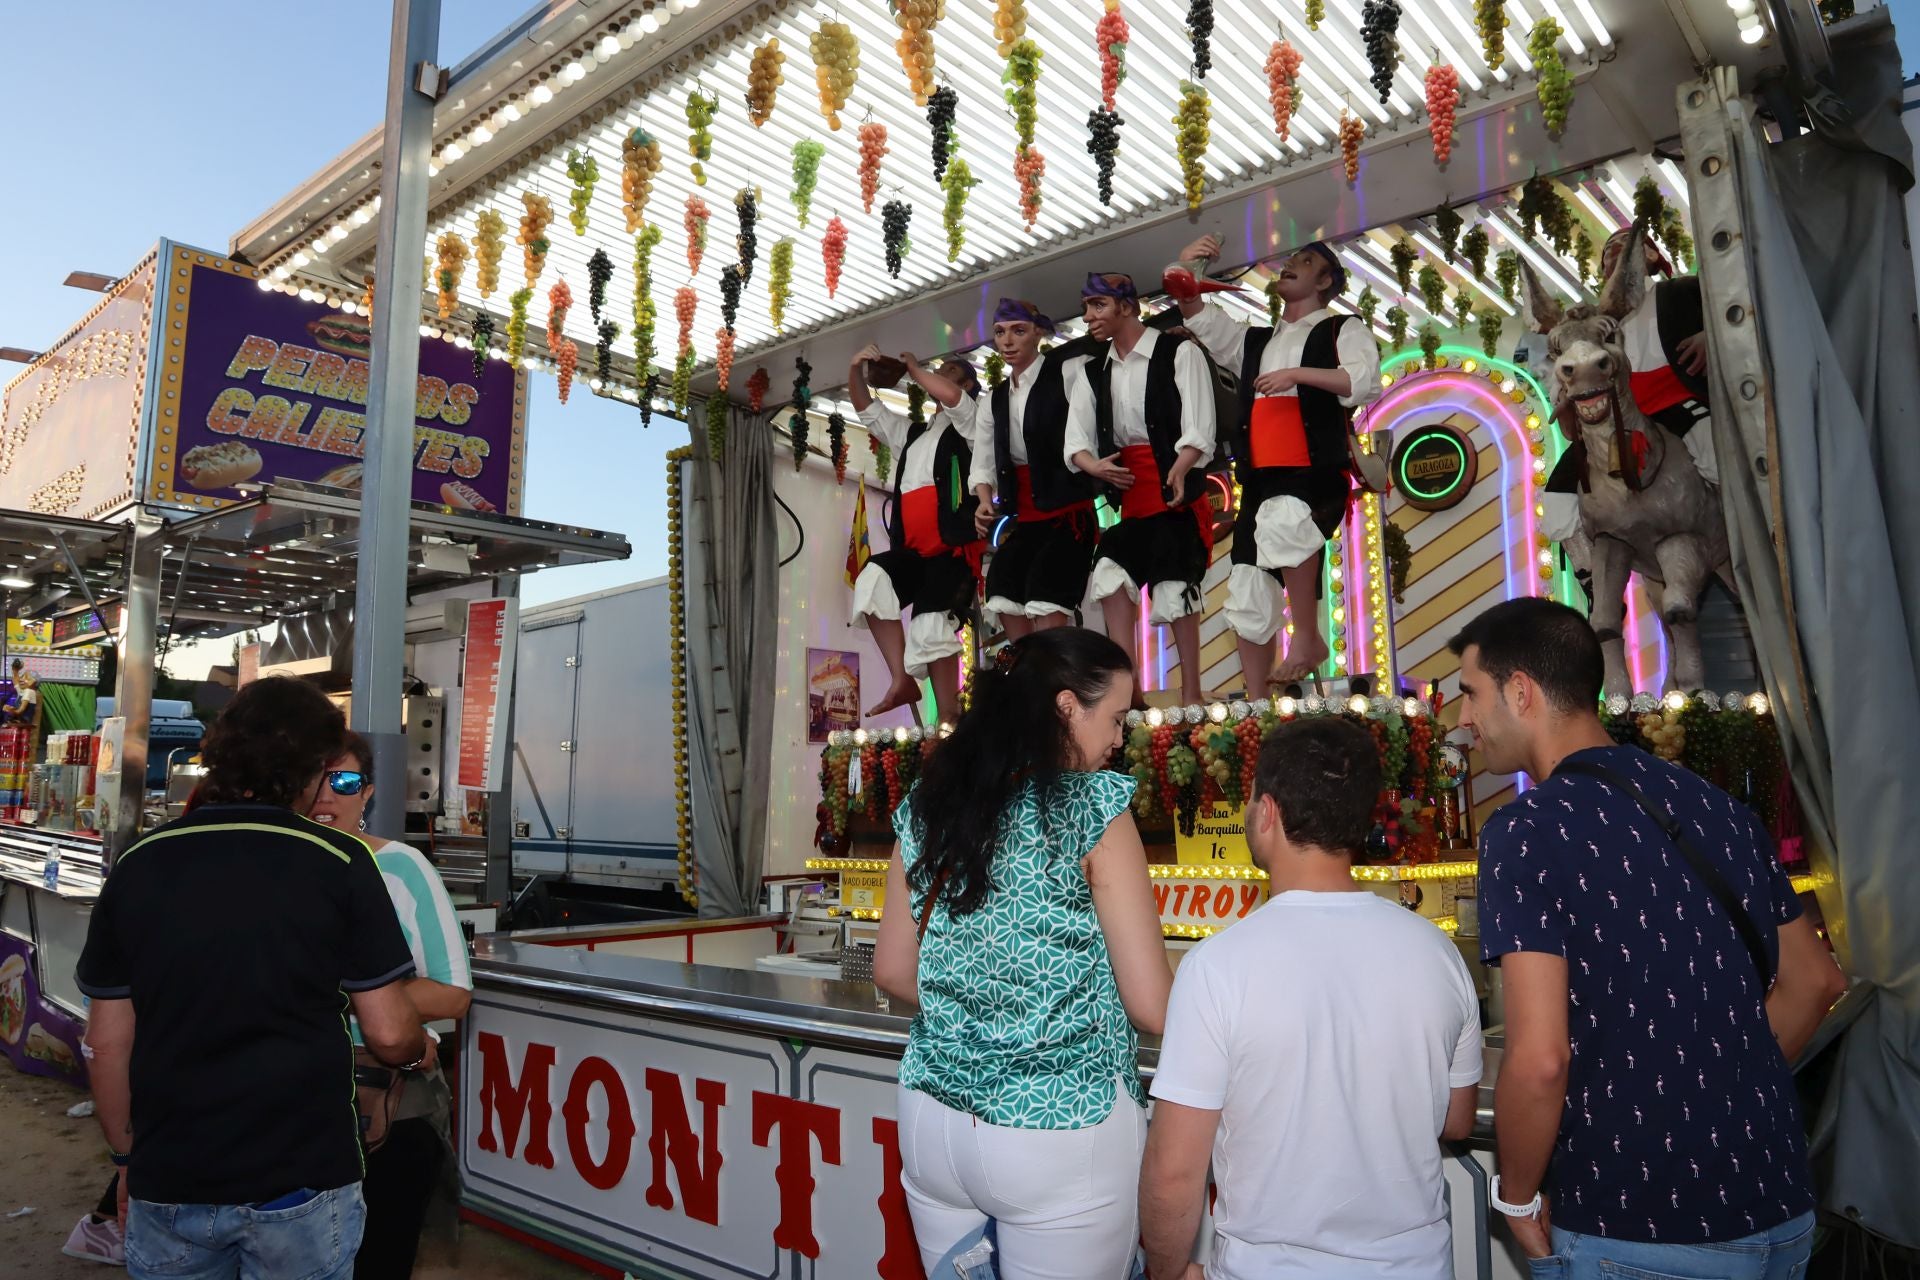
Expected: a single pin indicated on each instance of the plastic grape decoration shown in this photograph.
(1103, 144)
(566, 359)
(833, 252)
(482, 342)
(1367, 304)
(916, 19)
(1433, 289)
(1404, 255)
(583, 171)
(895, 217)
(1283, 85)
(681, 392)
(1009, 24)
(723, 357)
(836, 67)
(1379, 30)
(1462, 307)
(873, 146)
(1676, 238)
(1649, 204)
(1200, 29)
(649, 389)
(559, 302)
(533, 234)
(640, 163)
(1193, 135)
(694, 218)
(1474, 248)
(1506, 273)
(1352, 131)
(956, 186)
(837, 445)
(1443, 102)
(603, 350)
(1429, 347)
(764, 79)
(686, 305)
(453, 265)
(1446, 229)
(643, 309)
(1110, 36)
(730, 287)
(942, 107)
(1029, 166)
(1583, 255)
(1555, 89)
(1491, 323)
(1490, 21)
(1316, 14)
(1397, 319)
(700, 111)
(599, 272)
(806, 175)
(779, 281)
(746, 208)
(802, 398)
(489, 236)
(757, 384)
(717, 425)
(995, 369)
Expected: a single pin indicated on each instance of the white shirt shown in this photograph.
(1128, 383)
(1328, 1030)
(1359, 355)
(1019, 391)
(892, 428)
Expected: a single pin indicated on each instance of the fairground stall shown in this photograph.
(1467, 163)
(181, 466)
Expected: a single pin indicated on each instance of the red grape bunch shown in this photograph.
(1283, 85)
(1443, 101)
(833, 252)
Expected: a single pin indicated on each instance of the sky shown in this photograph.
(135, 120)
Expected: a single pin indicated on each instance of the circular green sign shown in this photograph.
(1434, 466)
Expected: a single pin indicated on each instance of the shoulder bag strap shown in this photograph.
(1703, 870)
(926, 912)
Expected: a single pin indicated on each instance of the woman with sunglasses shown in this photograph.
(403, 1168)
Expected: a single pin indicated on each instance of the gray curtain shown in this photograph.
(1817, 362)
(732, 591)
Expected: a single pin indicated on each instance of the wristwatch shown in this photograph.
(1531, 1209)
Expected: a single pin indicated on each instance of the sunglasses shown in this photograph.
(347, 782)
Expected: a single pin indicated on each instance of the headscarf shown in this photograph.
(1020, 311)
(1110, 284)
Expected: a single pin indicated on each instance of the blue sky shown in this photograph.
(135, 120)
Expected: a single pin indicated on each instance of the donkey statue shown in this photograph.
(1643, 507)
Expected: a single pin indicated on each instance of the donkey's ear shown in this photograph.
(1541, 311)
(1626, 288)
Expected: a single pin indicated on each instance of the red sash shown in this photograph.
(920, 521)
(1279, 433)
(1657, 389)
(1147, 498)
(1031, 513)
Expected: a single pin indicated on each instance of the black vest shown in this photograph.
(1328, 422)
(952, 459)
(1679, 314)
(1043, 429)
(1162, 410)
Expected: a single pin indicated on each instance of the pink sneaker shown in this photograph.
(97, 1242)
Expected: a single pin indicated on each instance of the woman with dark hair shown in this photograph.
(408, 1141)
(1030, 941)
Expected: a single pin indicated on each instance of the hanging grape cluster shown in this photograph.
(1506, 273)
(957, 184)
(649, 390)
(942, 107)
(836, 67)
(489, 237)
(1029, 167)
(806, 175)
(533, 234)
(1367, 304)
(1275, 303)
(757, 383)
(802, 398)
(639, 163)
(1397, 319)
(1433, 289)
(916, 19)
(895, 216)
(1380, 31)
(994, 369)
(1283, 85)
(717, 426)
(1352, 133)
(482, 342)
(1490, 326)
(1462, 307)
(603, 350)
(583, 171)
(746, 208)
(779, 281)
(1200, 30)
(453, 265)
(764, 78)
(723, 357)
(1490, 21)
(694, 219)
(730, 287)
(1110, 36)
(1103, 144)
(837, 445)
(1678, 241)
(1474, 247)
(873, 147)
(1555, 89)
(1447, 223)
(833, 252)
(681, 392)
(700, 111)
(686, 307)
(1022, 78)
(644, 313)
(1443, 103)
(1009, 24)
(599, 272)
(1429, 347)
(1530, 210)
(1583, 256)
(565, 353)
(1316, 14)
(1193, 121)
(1404, 255)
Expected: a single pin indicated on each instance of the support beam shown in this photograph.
(133, 685)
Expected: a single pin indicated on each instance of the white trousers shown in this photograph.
(1066, 1201)
(929, 636)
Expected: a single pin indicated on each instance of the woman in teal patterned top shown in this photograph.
(1024, 927)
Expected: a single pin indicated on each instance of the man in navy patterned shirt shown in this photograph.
(1646, 1059)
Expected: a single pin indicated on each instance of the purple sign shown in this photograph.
(260, 385)
(37, 1037)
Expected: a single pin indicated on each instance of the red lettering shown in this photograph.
(605, 1175)
(1180, 897)
(900, 1259)
(511, 1103)
(1249, 894)
(696, 1162)
(1197, 901)
(799, 1122)
(1160, 891)
(1223, 900)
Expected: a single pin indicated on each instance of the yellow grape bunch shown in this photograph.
(764, 79)
(1009, 24)
(1193, 134)
(533, 234)
(836, 67)
(489, 239)
(453, 265)
(639, 162)
(916, 20)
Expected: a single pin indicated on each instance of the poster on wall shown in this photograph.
(262, 385)
(37, 1038)
(486, 682)
(833, 692)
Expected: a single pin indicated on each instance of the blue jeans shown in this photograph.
(1779, 1254)
(316, 1240)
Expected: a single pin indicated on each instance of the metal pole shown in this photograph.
(133, 684)
(499, 881)
(380, 598)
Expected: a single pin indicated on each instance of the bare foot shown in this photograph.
(1306, 652)
(1192, 695)
(903, 692)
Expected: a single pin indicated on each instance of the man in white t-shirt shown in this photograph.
(1319, 1051)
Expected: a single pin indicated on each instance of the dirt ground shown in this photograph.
(58, 1166)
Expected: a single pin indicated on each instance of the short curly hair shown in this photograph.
(270, 743)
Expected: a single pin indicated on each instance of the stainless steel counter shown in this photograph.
(23, 859)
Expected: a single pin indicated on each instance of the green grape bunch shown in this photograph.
(1194, 134)
(1446, 229)
(1022, 77)
(1474, 247)
(1490, 21)
(957, 183)
(1368, 305)
(1506, 272)
(700, 111)
(1491, 324)
(1555, 89)
(1404, 255)
(1397, 320)
(1433, 289)
(807, 154)
(584, 171)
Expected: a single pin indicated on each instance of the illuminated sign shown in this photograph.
(81, 627)
(1434, 467)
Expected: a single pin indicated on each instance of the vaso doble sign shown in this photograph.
(257, 385)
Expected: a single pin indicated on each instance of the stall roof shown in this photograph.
(583, 80)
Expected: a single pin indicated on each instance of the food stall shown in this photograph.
(746, 1045)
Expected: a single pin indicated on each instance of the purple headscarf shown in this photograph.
(1097, 286)
(1020, 311)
